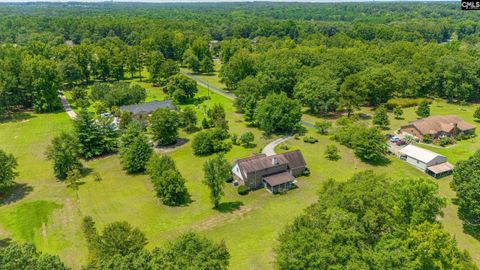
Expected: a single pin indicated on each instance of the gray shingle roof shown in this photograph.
(148, 107)
(293, 159)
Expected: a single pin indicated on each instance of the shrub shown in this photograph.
(380, 117)
(409, 139)
(331, 152)
(79, 93)
(306, 172)
(242, 190)
(284, 146)
(247, 139)
(423, 109)
(462, 136)
(445, 141)
(234, 138)
(96, 177)
(310, 139)
(427, 138)
(398, 112)
(476, 114)
(323, 127)
(296, 137)
(82, 103)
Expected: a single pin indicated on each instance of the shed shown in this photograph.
(420, 157)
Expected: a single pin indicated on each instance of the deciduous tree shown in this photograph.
(278, 113)
(65, 154)
(164, 123)
(8, 166)
(216, 173)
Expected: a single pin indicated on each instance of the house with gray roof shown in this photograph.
(275, 173)
(148, 107)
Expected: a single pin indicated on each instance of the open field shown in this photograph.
(50, 214)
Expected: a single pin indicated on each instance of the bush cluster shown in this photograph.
(243, 190)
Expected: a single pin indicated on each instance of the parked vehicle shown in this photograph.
(394, 139)
(400, 142)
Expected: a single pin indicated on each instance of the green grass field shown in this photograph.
(50, 214)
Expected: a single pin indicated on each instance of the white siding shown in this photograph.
(236, 171)
(417, 163)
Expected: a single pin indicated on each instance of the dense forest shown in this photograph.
(324, 55)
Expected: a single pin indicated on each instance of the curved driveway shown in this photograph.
(269, 150)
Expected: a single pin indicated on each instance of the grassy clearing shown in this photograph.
(41, 209)
(248, 224)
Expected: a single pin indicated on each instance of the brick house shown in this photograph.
(438, 126)
(275, 172)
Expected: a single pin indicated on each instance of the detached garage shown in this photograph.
(430, 162)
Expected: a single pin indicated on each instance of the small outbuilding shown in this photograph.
(430, 162)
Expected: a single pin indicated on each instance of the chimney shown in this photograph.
(275, 161)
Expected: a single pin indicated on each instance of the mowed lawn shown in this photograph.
(50, 215)
(42, 210)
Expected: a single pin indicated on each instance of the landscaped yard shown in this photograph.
(50, 214)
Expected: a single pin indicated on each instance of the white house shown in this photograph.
(430, 162)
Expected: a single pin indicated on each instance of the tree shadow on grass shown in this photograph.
(85, 171)
(16, 117)
(5, 242)
(473, 230)
(16, 193)
(468, 228)
(187, 200)
(249, 146)
(364, 116)
(379, 162)
(228, 207)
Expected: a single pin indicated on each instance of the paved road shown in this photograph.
(269, 150)
(208, 85)
(66, 106)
